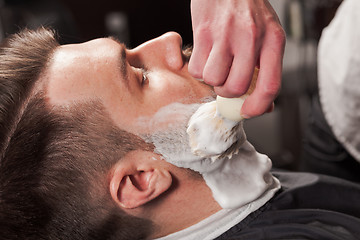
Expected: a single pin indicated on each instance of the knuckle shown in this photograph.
(202, 32)
(271, 90)
(279, 36)
(253, 31)
(237, 90)
(255, 35)
(228, 24)
(211, 79)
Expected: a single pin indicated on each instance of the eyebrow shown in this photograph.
(122, 60)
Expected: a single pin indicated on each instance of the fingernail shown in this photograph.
(245, 116)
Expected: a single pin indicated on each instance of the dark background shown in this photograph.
(82, 20)
(147, 19)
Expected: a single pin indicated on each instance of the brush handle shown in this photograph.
(230, 108)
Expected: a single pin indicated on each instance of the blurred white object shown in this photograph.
(339, 75)
(117, 25)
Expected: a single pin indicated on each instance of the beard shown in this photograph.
(166, 131)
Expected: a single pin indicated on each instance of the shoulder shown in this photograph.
(309, 206)
(316, 191)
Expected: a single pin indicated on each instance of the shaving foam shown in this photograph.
(211, 135)
(234, 182)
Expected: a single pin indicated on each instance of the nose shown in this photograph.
(163, 51)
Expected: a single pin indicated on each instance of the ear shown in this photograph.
(137, 179)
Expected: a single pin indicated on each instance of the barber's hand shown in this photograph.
(231, 37)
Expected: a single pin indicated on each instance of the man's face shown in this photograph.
(129, 83)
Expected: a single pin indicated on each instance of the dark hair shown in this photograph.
(54, 162)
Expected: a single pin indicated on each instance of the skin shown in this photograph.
(141, 183)
(92, 70)
(232, 37)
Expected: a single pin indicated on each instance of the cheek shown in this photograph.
(121, 107)
(174, 88)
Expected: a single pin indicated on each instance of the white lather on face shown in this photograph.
(234, 182)
(216, 128)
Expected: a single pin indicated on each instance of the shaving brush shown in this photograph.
(215, 130)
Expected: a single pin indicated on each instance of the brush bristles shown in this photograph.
(211, 135)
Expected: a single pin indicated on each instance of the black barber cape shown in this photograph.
(308, 206)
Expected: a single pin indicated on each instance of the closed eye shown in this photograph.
(145, 76)
(142, 75)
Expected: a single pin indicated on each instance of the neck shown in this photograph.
(189, 202)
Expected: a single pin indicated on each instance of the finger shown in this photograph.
(269, 79)
(200, 53)
(218, 65)
(240, 75)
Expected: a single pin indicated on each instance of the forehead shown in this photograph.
(77, 71)
(66, 56)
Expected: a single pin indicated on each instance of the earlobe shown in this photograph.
(132, 186)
